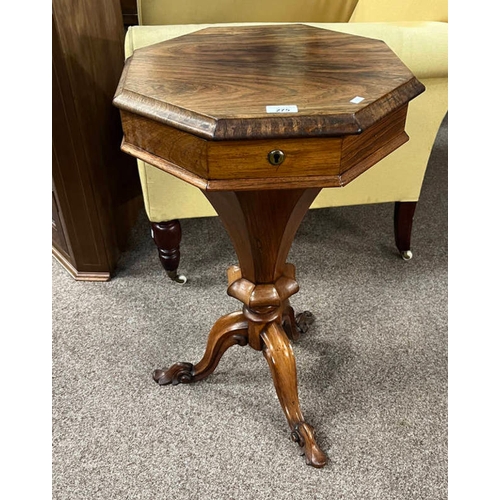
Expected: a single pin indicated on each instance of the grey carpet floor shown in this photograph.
(372, 370)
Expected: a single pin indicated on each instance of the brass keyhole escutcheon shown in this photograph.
(276, 157)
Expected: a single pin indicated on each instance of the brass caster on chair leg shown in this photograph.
(406, 254)
(178, 278)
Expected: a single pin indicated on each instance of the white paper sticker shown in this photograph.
(285, 108)
(357, 100)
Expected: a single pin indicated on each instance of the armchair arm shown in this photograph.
(400, 10)
(422, 46)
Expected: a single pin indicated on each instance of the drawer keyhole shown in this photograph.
(276, 157)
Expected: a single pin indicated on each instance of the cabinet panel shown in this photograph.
(97, 189)
(58, 237)
(129, 11)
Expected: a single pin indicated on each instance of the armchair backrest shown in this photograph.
(400, 10)
(160, 12)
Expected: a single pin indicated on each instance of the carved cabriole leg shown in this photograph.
(403, 222)
(262, 225)
(229, 330)
(167, 237)
(279, 355)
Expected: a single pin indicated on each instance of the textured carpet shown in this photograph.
(372, 370)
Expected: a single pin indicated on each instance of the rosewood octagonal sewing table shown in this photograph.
(260, 118)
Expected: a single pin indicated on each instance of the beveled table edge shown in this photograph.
(272, 127)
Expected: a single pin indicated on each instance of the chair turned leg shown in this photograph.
(167, 237)
(403, 221)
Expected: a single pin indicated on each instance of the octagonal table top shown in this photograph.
(261, 82)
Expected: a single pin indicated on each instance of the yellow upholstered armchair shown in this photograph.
(416, 30)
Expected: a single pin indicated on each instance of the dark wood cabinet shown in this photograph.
(129, 12)
(96, 189)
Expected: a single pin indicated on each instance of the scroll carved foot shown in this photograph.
(296, 325)
(279, 355)
(304, 321)
(304, 435)
(178, 373)
(226, 332)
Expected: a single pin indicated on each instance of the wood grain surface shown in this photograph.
(217, 82)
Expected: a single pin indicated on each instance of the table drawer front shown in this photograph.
(250, 159)
(167, 143)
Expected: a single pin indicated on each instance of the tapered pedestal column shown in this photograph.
(262, 225)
